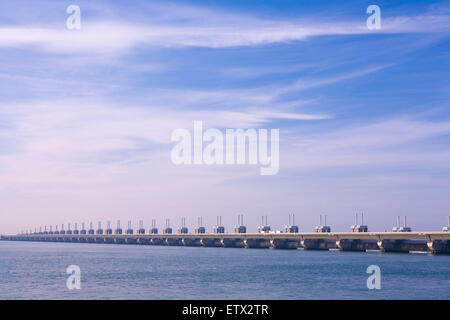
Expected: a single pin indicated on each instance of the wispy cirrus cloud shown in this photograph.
(305, 84)
(385, 143)
(71, 129)
(197, 27)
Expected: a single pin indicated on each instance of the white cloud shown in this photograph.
(78, 130)
(389, 143)
(110, 37)
(319, 82)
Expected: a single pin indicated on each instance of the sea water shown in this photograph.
(37, 270)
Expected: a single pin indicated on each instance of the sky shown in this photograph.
(86, 115)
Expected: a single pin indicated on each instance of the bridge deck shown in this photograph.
(301, 236)
(436, 242)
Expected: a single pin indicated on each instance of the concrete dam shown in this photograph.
(433, 242)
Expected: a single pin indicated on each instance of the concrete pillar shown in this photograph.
(173, 242)
(211, 242)
(191, 242)
(143, 241)
(157, 241)
(119, 240)
(439, 246)
(405, 246)
(257, 243)
(318, 244)
(131, 241)
(285, 243)
(350, 245)
(233, 243)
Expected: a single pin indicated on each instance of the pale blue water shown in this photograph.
(36, 270)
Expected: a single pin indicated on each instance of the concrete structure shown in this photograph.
(291, 228)
(322, 227)
(404, 228)
(200, 228)
(447, 228)
(76, 231)
(154, 229)
(264, 227)
(432, 242)
(167, 229)
(83, 230)
(108, 228)
(240, 228)
(118, 229)
(99, 228)
(129, 229)
(183, 229)
(359, 227)
(141, 229)
(91, 228)
(219, 228)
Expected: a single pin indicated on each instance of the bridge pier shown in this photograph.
(402, 246)
(257, 243)
(119, 240)
(143, 241)
(356, 245)
(191, 242)
(349, 245)
(157, 241)
(99, 240)
(439, 246)
(392, 246)
(131, 241)
(173, 242)
(211, 242)
(109, 240)
(233, 243)
(285, 243)
(318, 244)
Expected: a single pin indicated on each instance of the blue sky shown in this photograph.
(86, 115)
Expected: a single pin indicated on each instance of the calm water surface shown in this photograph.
(36, 270)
